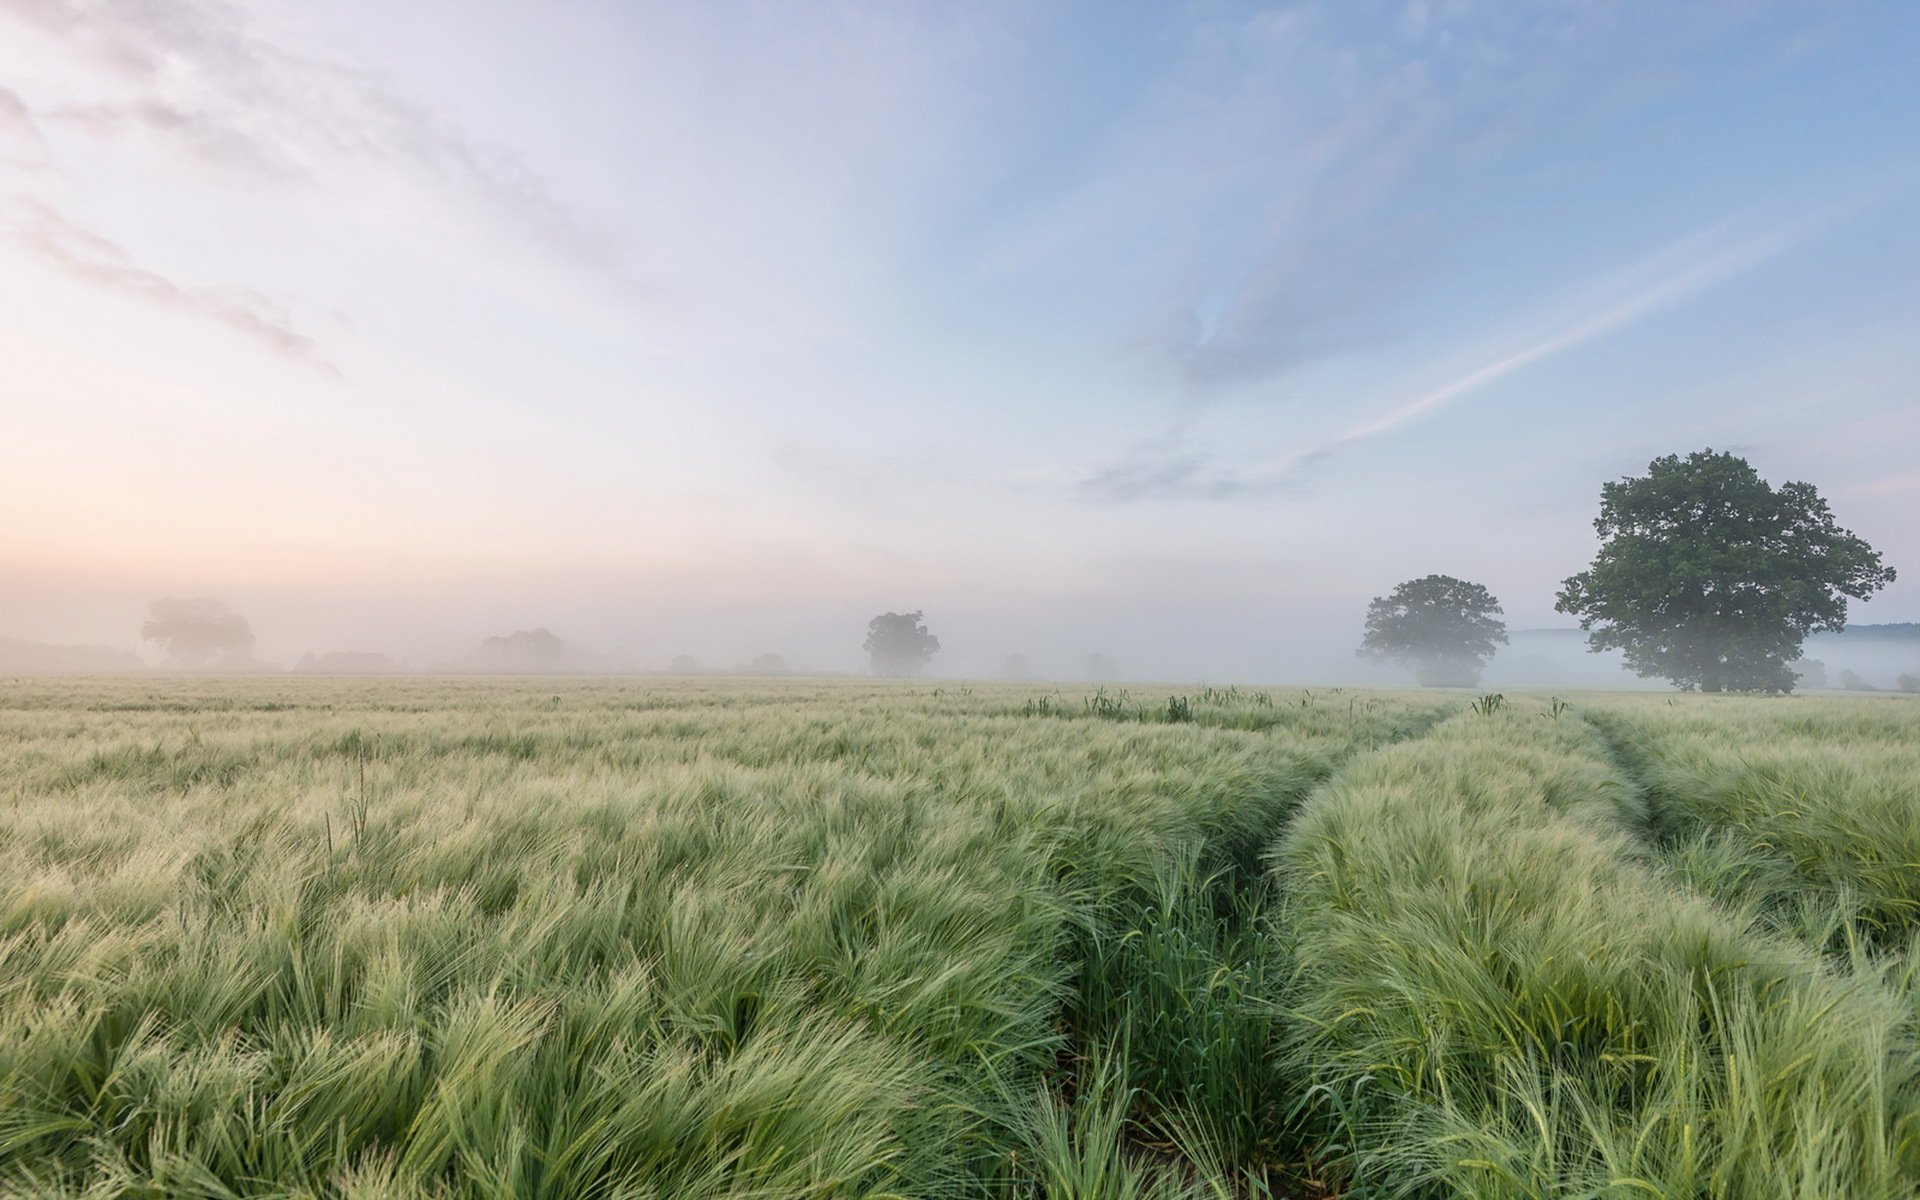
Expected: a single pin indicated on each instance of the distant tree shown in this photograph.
(198, 630)
(1853, 683)
(530, 650)
(898, 644)
(539, 643)
(684, 664)
(1015, 667)
(1101, 668)
(1908, 683)
(1442, 627)
(1812, 673)
(1709, 576)
(767, 664)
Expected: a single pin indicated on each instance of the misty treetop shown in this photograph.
(534, 651)
(198, 631)
(1710, 577)
(898, 644)
(1442, 627)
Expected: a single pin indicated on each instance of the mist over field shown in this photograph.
(1077, 638)
(1139, 642)
(1145, 345)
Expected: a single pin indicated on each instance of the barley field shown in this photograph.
(540, 938)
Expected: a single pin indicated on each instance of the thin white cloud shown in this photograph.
(1285, 189)
(203, 79)
(18, 129)
(1687, 280)
(1683, 269)
(82, 254)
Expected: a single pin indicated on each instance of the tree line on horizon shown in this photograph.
(1707, 576)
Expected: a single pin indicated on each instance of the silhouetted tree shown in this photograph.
(684, 664)
(768, 664)
(1444, 628)
(1853, 683)
(1709, 576)
(1015, 667)
(898, 644)
(524, 650)
(1101, 668)
(198, 630)
(1812, 673)
(1908, 683)
(529, 643)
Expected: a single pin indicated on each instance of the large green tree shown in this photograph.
(1442, 627)
(1711, 577)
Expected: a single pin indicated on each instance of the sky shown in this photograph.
(1169, 331)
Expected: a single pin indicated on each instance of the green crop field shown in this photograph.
(427, 938)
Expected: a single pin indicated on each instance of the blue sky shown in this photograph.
(1169, 331)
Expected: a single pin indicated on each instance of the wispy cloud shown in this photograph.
(1148, 474)
(1291, 186)
(1712, 268)
(18, 128)
(203, 79)
(1684, 269)
(85, 255)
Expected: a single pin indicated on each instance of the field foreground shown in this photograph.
(408, 938)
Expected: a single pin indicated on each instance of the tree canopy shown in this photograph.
(1442, 627)
(528, 651)
(1710, 577)
(198, 630)
(898, 644)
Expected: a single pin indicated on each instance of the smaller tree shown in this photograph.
(767, 664)
(197, 631)
(898, 644)
(1851, 682)
(529, 650)
(1442, 627)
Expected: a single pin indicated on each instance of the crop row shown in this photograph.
(1498, 994)
(461, 939)
(1807, 816)
(488, 940)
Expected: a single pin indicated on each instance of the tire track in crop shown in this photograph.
(1494, 996)
(1184, 978)
(1794, 817)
